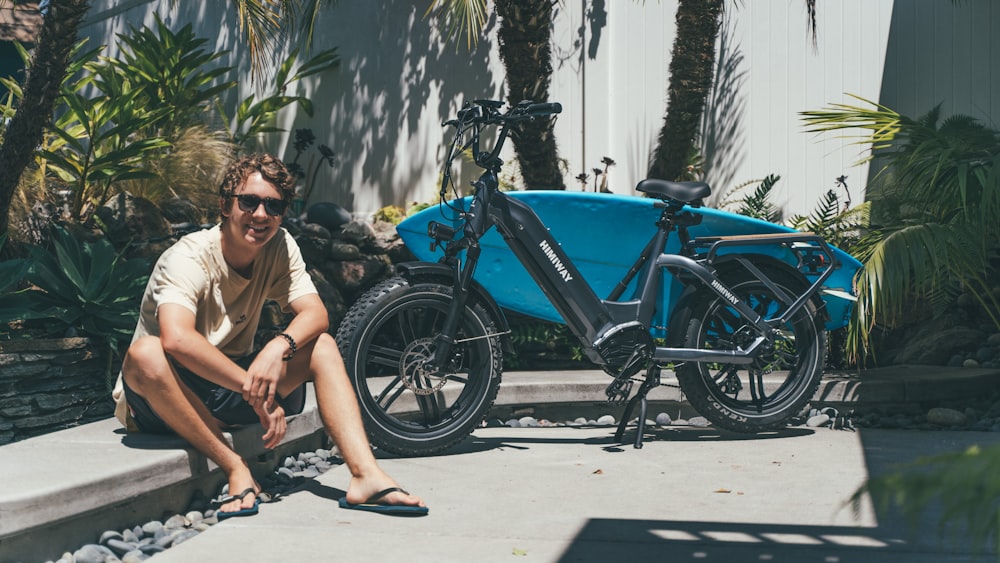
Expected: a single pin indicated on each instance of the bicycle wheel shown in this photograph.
(763, 395)
(386, 339)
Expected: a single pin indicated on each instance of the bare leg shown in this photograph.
(338, 408)
(148, 372)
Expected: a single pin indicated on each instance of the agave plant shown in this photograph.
(84, 286)
(936, 212)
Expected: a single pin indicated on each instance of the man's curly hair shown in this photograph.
(271, 169)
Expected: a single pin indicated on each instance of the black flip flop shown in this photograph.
(372, 505)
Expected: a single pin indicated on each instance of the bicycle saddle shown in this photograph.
(685, 192)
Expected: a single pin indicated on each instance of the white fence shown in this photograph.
(381, 112)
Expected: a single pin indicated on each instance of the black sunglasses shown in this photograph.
(249, 203)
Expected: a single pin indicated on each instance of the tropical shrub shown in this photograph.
(935, 214)
(148, 121)
(86, 288)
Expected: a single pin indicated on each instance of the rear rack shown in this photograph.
(814, 255)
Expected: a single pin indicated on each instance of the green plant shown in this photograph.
(84, 286)
(304, 139)
(391, 214)
(535, 340)
(943, 238)
(758, 204)
(965, 487)
(95, 146)
(835, 220)
(254, 117)
(171, 70)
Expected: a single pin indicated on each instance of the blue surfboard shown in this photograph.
(603, 235)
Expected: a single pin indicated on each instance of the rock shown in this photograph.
(699, 421)
(129, 219)
(329, 215)
(152, 549)
(359, 232)
(528, 422)
(663, 419)
(120, 547)
(956, 361)
(307, 473)
(344, 251)
(110, 535)
(606, 420)
(194, 516)
(970, 363)
(130, 536)
(818, 420)
(134, 556)
(985, 354)
(179, 210)
(150, 528)
(176, 521)
(92, 553)
(935, 342)
(994, 339)
(942, 416)
(355, 275)
(513, 423)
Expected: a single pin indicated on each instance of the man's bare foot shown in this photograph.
(239, 483)
(361, 489)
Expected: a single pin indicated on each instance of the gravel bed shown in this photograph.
(146, 540)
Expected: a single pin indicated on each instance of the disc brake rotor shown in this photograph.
(415, 373)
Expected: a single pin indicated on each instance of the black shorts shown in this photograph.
(226, 405)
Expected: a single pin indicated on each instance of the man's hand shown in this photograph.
(267, 369)
(273, 420)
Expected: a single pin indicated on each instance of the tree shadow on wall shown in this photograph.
(722, 142)
(381, 112)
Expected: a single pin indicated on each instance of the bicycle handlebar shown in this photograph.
(485, 112)
(473, 116)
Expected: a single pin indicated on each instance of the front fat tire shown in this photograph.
(383, 338)
(796, 374)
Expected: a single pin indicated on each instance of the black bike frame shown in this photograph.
(590, 318)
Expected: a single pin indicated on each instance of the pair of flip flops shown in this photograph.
(241, 512)
(373, 504)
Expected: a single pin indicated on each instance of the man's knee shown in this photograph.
(144, 359)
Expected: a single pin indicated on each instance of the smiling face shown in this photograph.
(250, 230)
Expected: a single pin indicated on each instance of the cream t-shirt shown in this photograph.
(227, 307)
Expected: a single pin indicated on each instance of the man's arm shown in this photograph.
(182, 342)
(309, 322)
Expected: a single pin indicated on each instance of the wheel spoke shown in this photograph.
(388, 396)
(384, 356)
(431, 407)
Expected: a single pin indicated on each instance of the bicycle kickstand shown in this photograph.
(652, 380)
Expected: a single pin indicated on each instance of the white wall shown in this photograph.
(381, 112)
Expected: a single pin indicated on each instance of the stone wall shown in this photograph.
(47, 385)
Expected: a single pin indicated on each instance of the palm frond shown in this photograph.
(466, 17)
(913, 263)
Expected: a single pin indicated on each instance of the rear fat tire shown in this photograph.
(711, 388)
(383, 339)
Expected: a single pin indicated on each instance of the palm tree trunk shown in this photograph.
(524, 34)
(691, 66)
(41, 88)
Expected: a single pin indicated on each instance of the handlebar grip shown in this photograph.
(544, 108)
